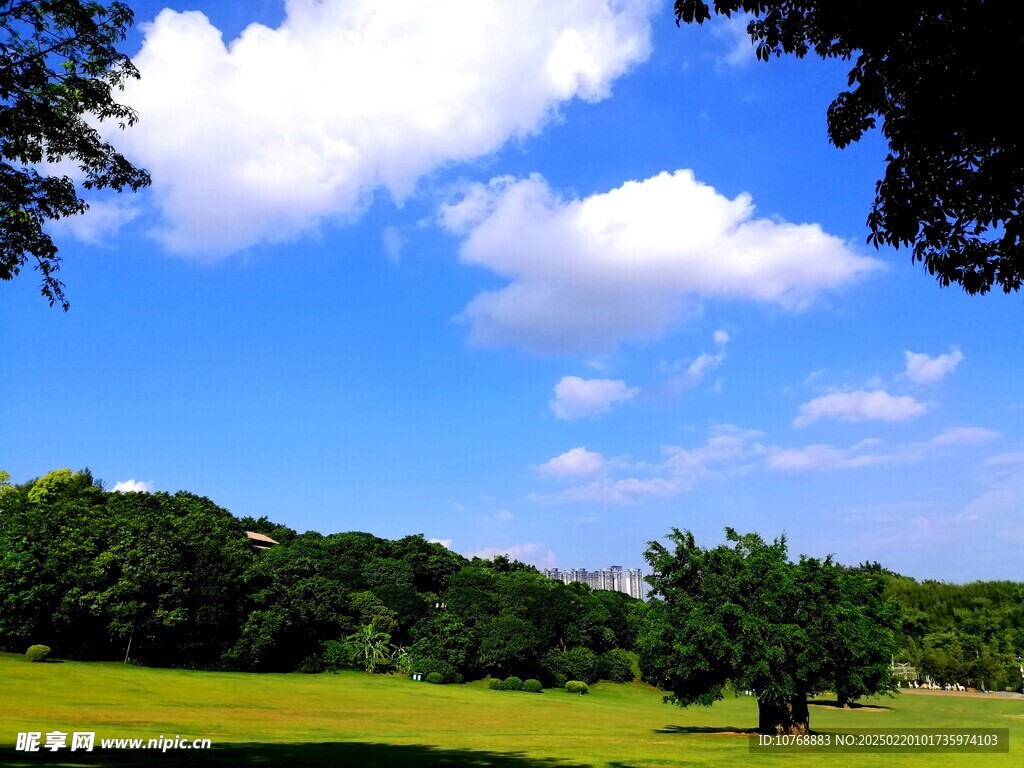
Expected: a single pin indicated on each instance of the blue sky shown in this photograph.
(545, 279)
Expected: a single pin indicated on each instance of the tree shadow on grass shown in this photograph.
(689, 730)
(852, 705)
(317, 755)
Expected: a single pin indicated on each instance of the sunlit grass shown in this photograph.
(360, 719)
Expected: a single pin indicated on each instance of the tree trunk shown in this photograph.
(783, 716)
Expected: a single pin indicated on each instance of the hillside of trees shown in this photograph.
(88, 572)
(967, 633)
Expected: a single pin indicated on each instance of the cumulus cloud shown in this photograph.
(923, 369)
(727, 448)
(576, 462)
(261, 138)
(133, 486)
(626, 264)
(576, 398)
(537, 554)
(728, 451)
(860, 405)
(446, 543)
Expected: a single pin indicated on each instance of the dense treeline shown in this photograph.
(89, 572)
(972, 634)
(174, 577)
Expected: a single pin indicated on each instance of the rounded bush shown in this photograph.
(37, 652)
(532, 686)
(494, 684)
(512, 683)
(577, 686)
(435, 677)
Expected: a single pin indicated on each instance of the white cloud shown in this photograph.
(624, 492)
(576, 462)
(728, 451)
(927, 370)
(727, 448)
(446, 543)
(733, 31)
(504, 516)
(860, 405)
(576, 398)
(627, 264)
(103, 220)
(811, 458)
(536, 554)
(133, 486)
(262, 138)
(871, 452)
(965, 436)
(685, 375)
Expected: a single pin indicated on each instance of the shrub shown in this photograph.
(435, 677)
(577, 686)
(337, 655)
(573, 664)
(532, 686)
(512, 683)
(37, 652)
(615, 665)
(494, 684)
(427, 665)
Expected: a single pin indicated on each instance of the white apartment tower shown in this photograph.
(615, 578)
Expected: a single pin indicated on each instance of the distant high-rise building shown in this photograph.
(615, 577)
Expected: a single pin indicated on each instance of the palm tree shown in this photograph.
(372, 647)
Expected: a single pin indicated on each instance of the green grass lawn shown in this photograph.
(353, 718)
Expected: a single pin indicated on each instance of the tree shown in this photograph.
(373, 647)
(934, 72)
(746, 616)
(59, 65)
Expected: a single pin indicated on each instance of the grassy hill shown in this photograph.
(353, 718)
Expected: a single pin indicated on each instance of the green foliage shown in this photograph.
(744, 614)
(37, 652)
(532, 686)
(970, 634)
(59, 68)
(89, 571)
(426, 665)
(571, 664)
(615, 665)
(953, 187)
(494, 684)
(402, 659)
(337, 655)
(512, 683)
(444, 636)
(435, 677)
(372, 648)
(577, 686)
(509, 644)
